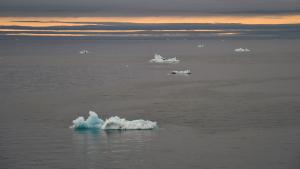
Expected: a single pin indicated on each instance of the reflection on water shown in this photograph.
(92, 146)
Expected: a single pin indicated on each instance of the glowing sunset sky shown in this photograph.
(69, 21)
(146, 7)
(149, 11)
(19, 17)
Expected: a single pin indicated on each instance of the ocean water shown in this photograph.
(236, 110)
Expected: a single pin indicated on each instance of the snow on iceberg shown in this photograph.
(112, 123)
(159, 59)
(242, 50)
(182, 72)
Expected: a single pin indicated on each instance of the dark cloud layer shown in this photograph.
(145, 7)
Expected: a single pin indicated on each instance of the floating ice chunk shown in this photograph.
(117, 123)
(93, 121)
(84, 52)
(159, 59)
(242, 50)
(113, 123)
(182, 72)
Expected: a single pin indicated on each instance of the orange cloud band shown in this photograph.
(62, 21)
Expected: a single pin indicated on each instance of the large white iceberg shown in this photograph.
(112, 123)
(159, 59)
(242, 50)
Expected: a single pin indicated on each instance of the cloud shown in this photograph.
(145, 7)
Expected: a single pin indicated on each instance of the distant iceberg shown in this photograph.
(200, 46)
(182, 72)
(112, 123)
(159, 59)
(84, 52)
(242, 50)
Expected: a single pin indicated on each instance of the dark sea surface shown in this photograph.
(235, 111)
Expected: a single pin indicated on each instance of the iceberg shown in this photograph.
(112, 123)
(117, 123)
(200, 46)
(242, 50)
(84, 52)
(182, 72)
(159, 59)
(93, 121)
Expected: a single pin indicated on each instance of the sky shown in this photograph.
(112, 17)
(147, 7)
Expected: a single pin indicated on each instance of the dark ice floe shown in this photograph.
(181, 72)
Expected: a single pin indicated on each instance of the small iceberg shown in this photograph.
(242, 50)
(159, 59)
(112, 123)
(93, 121)
(181, 72)
(201, 45)
(84, 52)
